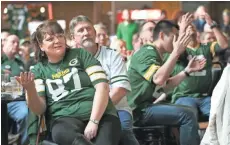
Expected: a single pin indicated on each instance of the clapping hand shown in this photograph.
(195, 65)
(186, 20)
(26, 79)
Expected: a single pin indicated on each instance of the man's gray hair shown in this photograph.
(77, 19)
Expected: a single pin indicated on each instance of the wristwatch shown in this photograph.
(94, 121)
(213, 25)
(186, 73)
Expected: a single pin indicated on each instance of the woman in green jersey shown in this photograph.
(71, 85)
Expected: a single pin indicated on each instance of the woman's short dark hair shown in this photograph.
(50, 27)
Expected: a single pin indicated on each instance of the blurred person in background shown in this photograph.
(115, 69)
(4, 35)
(12, 66)
(102, 37)
(177, 15)
(193, 91)
(225, 26)
(121, 48)
(146, 31)
(200, 18)
(27, 54)
(127, 29)
(137, 43)
(207, 37)
(69, 41)
(163, 15)
(18, 17)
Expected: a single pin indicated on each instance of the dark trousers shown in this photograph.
(70, 131)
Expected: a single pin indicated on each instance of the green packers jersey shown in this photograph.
(198, 84)
(18, 20)
(68, 86)
(142, 67)
(15, 66)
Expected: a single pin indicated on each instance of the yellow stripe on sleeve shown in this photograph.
(97, 76)
(152, 69)
(93, 69)
(212, 48)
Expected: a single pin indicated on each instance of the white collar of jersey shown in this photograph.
(98, 51)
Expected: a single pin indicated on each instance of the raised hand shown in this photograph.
(208, 18)
(185, 21)
(26, 79)
(181, 43)
(195, 65)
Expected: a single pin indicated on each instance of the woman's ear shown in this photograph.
(40, 45)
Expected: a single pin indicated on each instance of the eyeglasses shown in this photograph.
(51, 37)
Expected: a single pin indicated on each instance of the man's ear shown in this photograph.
(72, 36)
(161, 36)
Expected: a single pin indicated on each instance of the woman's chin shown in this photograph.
(60, 51)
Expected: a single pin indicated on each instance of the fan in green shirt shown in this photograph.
(17, 16)
(11, 67)
(68, 84)
(127, 29)
(147, 72)
(10, 63)
(193, 91)
(70, 87)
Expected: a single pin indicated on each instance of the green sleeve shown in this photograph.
(136, 28)
(39, 80)
(92, 67)
(20, 63)
(119, 35)
(147, 62)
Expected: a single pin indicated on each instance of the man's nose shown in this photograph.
(85, 32)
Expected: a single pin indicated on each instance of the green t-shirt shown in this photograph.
(198, 84)
(70, 92)
(126, 32)
(142, 67)
(18, 20)
(15, 66)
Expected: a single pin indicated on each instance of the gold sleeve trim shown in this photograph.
(152, 69)
(212, 48)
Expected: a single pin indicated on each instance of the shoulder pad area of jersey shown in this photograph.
(106, 47)
(148, 47)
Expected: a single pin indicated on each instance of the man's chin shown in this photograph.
(88, 44)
